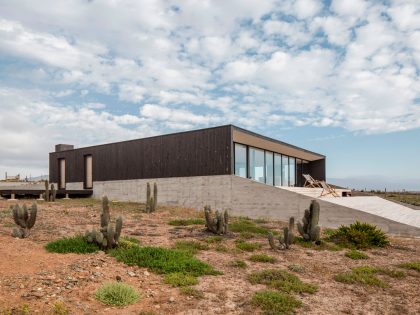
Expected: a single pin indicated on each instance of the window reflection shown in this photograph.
(240, 160)
(256, 165)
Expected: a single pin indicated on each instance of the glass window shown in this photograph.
(292, 171)
(277, 169)
(240, 160)
(269, 168)
(299, 177)
(284, 170)
(256, 165)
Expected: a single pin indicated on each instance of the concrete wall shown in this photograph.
(244, 198)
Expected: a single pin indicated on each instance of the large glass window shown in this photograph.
(292, 172)
(240, 160)
(284, 170)
(256, 165)
(269, 168)
(277, 169)
(299, 176)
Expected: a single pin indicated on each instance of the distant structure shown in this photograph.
(14, 178)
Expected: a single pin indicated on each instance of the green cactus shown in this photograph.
(25, 219)
(286, 240)
(217, 224)
(309, 228)
(151, 201)
(108, 235)
(155, 192)
(47, 191)
(148, 210)
(53, 193)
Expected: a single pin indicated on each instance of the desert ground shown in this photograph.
(33, 281)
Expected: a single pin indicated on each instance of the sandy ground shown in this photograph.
(30, 275)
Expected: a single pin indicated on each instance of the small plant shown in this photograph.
(244, 225)
(274, 302)
(179, 279)
(262, 258)
(109, 234)
(217, 224)
(367, 275)
(117, 294)
(309, 228)
(77, 245)
(221, 248)
(192, 292)
(246, 246)
(359, 235)
(286, 240)
(47, 191)
(151, 201)
(281, 280)
(53, 193)
(191, 246)
(25, 219)
(296, 268)
(59, 308)
(185, 222)
(214, 239)
(414, 265)
(355, 254)
(238, 264)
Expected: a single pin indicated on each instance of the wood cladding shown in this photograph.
(194, 153)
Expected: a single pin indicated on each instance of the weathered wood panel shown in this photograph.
(194, 153)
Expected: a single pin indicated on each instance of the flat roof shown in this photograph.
(239, 135)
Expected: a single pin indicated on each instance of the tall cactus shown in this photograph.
(25, 220)
(286, 240)
(309, 228)
(217, 224)
(155, 192)
(151, 201)
(109, 234)
(53, 193)
(47, 190)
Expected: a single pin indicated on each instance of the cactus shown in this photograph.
(53, 193)
(47, 191)
(309, 228)
(217, 224)
(286, 240)
(151, 201)
(25, 219)
(109, 234)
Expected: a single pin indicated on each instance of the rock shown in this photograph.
(146, 273)
(131, 274)
(22, 286)
(171, 299)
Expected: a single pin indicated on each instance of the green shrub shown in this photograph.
(59, 308)
(281, 280)
(247, 247)
(221, 248)
(117, 294)
(414, 265)
(185, 222)
(238, 264)
(248, 226)
(328, 231)
(246, 235)
(163, 260)
(367, 275)
(191, 246)
(76, 244)
(262, 258)
(359, 235)
(296, 268)
(178, 279)
(355, 254)
(273, 302)
(192, 292)
(214, 239)
(321, 245)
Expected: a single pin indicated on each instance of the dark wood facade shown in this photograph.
(193, 153)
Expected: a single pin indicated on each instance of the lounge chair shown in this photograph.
(327, 189)
(311, 182)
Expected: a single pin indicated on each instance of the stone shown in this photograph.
(171, 299)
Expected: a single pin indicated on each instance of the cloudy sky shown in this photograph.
(337, 77)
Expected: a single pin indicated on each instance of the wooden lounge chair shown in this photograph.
(311, 182)
(327, 189)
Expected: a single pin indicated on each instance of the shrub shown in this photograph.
(247, 247)
(192, 292)
(248, 226)
(221, 248)
(191, 246)
(367, 275)
(320, 245)
(355, 254)
(178, 279)
(262, 258)
(59, 308)
(296, 268)
(214, 239)
(163, 260)
(359, 235)
(76, 244)
(414, 265)
(117, 294)
(185, 222)
(273, 302)
(281, 280)
(238, 264)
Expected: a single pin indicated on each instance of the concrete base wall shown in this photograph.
(244, 198)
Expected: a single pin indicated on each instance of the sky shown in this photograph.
(336, 77)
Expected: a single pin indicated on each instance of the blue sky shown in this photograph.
(336, 77)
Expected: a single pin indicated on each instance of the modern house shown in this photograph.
(224, 167)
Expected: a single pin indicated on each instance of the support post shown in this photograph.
(40, 198)
(67, 197)
(12, 197)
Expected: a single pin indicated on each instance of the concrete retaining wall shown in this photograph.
(244, 198)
